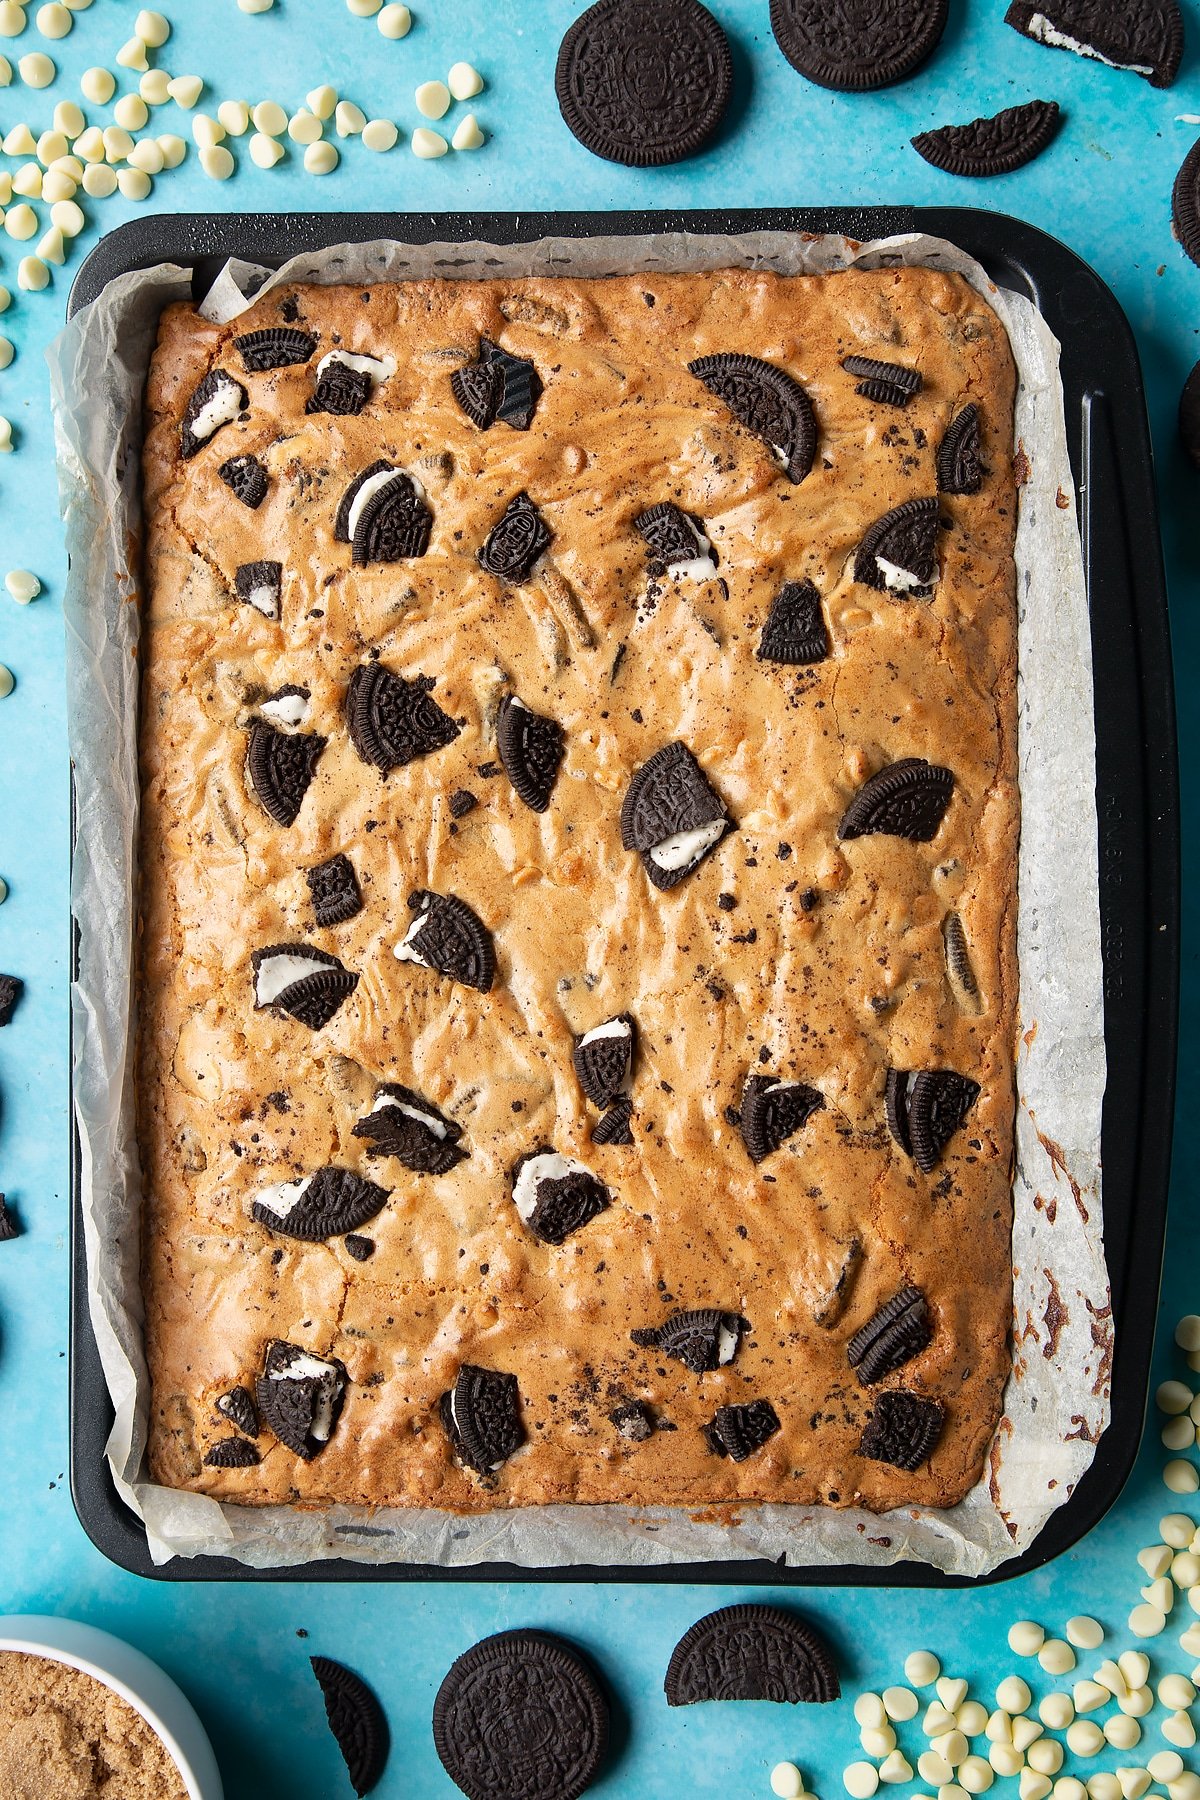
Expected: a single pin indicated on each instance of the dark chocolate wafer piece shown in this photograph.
(482, 1417)
(738, 1431)
(991, 146)
(603, 1058)
(702, 1339)
(1144, 36)
(246, 479)
(895, 1334)
(392, 720)
(925, 1109)
(634, 1420)
(773, 1111)
(959, 470)
(446, 935)
(217, 401)
(531, 748)
(324, 1205)
(751, 1653)
(274, 347)
(356, 1720)
(555, 1195)
(498, 386)
(362, 1249)
(644, 82)
(334, 889)
(768, 401)
(1185, 203)
(903, 1429)
(340, 390)
(11, 989)
(239, 1408)
(403, 1124)
(847, 45)
(260, 585)
(280, 766)
(795, 632)
(521, 1717)
(613, 1126)
(892, 384)
(302, 981)
(907, 799)
(231, 1453)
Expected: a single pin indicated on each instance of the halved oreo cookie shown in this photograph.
(232, 1453)
(672, 815)
(907, 799)
(703, 1339)
(795, 632)
(603, 1058)
(773, 1111)
(405, 1125)
(738, 1431)
(217, 401)
(899, 1331)
(521, 1717)
(1185, 203)
(1145, 36)
(300, 1397)
(11, 989)
(959, 470)
(891, 384)
(325, 1205)
(280, 766)
(239, 1408)
(387, 518)
(613, 1126)
(393, 721)
(903, 1429)
(302, 981)
(515, 541)
(346, 381)
(497, 386)
(482, 1417)
(246, 479)
(275, 347)
(768, 402)
(751, 1653)
(925, 1109)
(678, 542)
(9, 1229)
(555, 1195)
(898, 554)
(991, 146)
(445, 935)
(845, 45)
(531, 748)
(634, 1420)
(356, 1720)
(644, 82)
(334, 889)
(260, 585)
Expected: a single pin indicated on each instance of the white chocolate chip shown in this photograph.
(269, 118)
(69, 119)
(1069, 1789)
(135, 184)
(938, 1720)
(877, 1740)
(54, 20)
(1056, 1657)
(464, 81)
(6, 682)
(1122, 1732)
(69, 217)
(255, 6)
(234, 115)
(321, 158)
(1136, 1703)
(90, 144)
(58, 185)
(1187, 1332)
(951, 1691)
(3, 891)
(869, 1711)
(6, 352)
(131, 112)
(861, 1779)
(6, 188)
(1181, 1477)
(6, 72)
(1057, 1711)
(1025, 1638)
(1025, 1731)
(217, 162)
(1178, 1729)
(976, 1774)
(895, 1767)
(467, 135)
(1085, 1738)
(52, 247)
(1164, 1765)
(395, 21)
(148, 157)
(900, 1703)
(953, 1746)
(265, 151)
(1103, 1786)
(1135, 1666)
(117, 143)
(207, 131)
(1190, 1638)
(19, 141)
(433, 99)
(97, 85)
(132, 55)
(185, 90)
(1088, 1695)
(1005, 1759)
(152, 28)
(322, 101)
(1155, 1559)
(1147, 1621)
(28, 181)
(99, 181)
(6, 437)
(20, 222)
(1160, 1593)
(22, 585)
(934, 1768)
(971, 1718)
(304, 127)
(155, 87)
(1084, 1632)
(787, 1781)
(1013, 1695)
(1111, 1676)
(1173, 1397)
(998, 1729)
(1032, 1785)
(1175, 1691)
(921, 1667)
(427, 144)
(379, 134)
(12, 19)
(1178, 1434)
(37, 69)
(348, 118)
(1187, 1787)
(1046, 1756)
(363, 9)
(1134, 1782)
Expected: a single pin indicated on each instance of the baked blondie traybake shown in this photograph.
(578, 891)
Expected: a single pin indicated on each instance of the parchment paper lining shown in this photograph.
(1056, 1403)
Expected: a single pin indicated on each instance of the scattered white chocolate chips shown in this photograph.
(787, 1781)
(1181, 1477)
(37, 69)
(1187, 1332)
(349, 119)
(395, 21)
(1173, 1396)
(1013, 1695)
(1085, 1633)
(900, 1703)
(269, 118)
(1025, 1638)
(321, 158)
(425, 143)
(155, 87)
(12, 19)
(363, 9)
(433, 99)
(380, 134)
(6, 437)
(265, 151)
(98, 86)
(132, 55)
(304, 127)
(861, 1779)
(922, 1668)
(20, 221)
(22, 585)
(1056, 1711)
(1056, 1657)
(185, 90)
(6, 352)
(135, 184)
(1147, 1621)
(131, 112)
(54, 20)
(467, 135)
(99, 181)
(322, 101)
(152, 28)
(217, 162)
(234, 116)
(255, 6)
(464, 81)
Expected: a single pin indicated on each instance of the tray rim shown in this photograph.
(198, 239)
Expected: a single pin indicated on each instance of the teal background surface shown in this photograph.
(241, 1652)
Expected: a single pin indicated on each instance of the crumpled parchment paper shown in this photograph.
(1056, 1403)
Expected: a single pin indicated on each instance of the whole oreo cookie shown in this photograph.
(991, 146)
(751, 1653)
(907, 799)
(1145, 36)
(321, 1206)
(356, 1720)
(275, 347)
(531, 748)
(795, 632)
(895, 1334)
(405, 1125)
(393, 721)
(854, 45)
(280, 767)
(903, 1429)
(644, 82)
(521, 1717)
(768, 401)
(482, 1417)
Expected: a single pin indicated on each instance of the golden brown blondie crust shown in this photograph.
(787, 951)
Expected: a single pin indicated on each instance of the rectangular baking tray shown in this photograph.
(1137, 790)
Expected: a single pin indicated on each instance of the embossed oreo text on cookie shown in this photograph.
(515, 541)
(644, 82)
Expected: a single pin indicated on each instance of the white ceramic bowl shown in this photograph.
(136, 1679)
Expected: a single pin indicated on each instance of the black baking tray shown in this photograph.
(1137, 781)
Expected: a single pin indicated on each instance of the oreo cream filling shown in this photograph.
(275, 974)
(901, 581)
(264, 599)
(1040, 27)
(548, 1166)
(370, 487)
(283, 1196)
(613, 1029)
(727, 1343)
(222, 409)
(686, 847)
(699, 567)
(301, 1365)
(404, 951)
(379, 368)
(286, 709)
(430, 1121)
